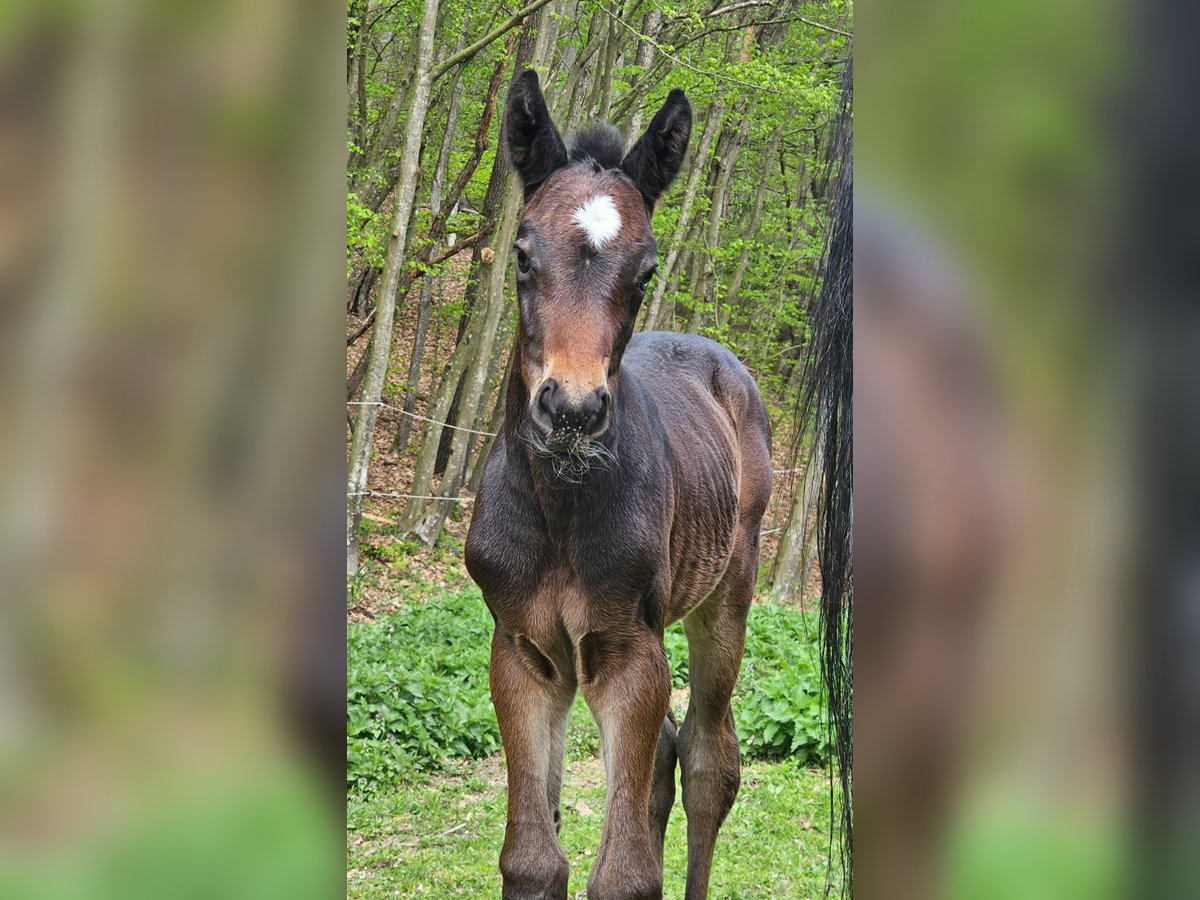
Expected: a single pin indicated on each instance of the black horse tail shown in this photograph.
(826, 406)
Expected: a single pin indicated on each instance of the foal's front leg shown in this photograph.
(532, 698)
(628, 686)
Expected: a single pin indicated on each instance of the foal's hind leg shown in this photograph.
(709, 758)
(662, 787)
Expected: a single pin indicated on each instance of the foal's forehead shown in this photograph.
(584, 203)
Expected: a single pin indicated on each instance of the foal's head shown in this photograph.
(585, 254)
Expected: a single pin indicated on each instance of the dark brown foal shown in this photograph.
(625, 492)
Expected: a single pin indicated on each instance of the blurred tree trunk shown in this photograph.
(364, 425)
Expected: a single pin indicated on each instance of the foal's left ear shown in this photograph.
(654, 161)
(534, 144)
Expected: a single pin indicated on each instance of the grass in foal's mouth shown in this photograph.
(440, 836)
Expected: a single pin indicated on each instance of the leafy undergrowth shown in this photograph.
(441, 837)
(417, 692)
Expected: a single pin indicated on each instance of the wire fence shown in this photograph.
(409, 496)
(396, 496)
(412, 415)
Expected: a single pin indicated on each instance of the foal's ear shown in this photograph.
(534, 144)
(654, 161)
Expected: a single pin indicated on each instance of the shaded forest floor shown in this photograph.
(440, 837)
(394, 565)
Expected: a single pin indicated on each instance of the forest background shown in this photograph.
(432, 206)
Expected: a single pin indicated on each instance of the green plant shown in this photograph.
(417, 690)
(439, 837)
(778, 704)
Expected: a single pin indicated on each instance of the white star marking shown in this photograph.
(599, 220)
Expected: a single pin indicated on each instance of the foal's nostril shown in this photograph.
(598, 409)
(546, 402)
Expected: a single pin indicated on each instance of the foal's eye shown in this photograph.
(646, 279)
(523, 265)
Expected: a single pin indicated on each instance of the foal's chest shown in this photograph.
(590, 570)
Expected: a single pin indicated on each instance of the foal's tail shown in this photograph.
(825, 403)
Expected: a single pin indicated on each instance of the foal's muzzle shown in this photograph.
(567, 417)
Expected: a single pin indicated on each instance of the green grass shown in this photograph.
(441, 836)
(426, 805)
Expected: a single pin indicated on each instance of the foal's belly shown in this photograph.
(702, 543)
(706, 513)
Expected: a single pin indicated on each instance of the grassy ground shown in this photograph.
(425, 822)
(441, 837)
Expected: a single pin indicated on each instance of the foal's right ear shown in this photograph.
(534, 144)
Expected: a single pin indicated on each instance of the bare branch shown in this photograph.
(411, 276)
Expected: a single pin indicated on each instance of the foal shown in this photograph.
(625, 492)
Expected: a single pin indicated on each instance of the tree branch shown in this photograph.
(824, 27)
(411, 276)
(467, 52)
(675, 59)
(748, 4)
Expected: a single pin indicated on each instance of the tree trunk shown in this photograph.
(364, 426)
(478, 354)
(437, 442)
(492, 203)
(794, 554)
(760, 195)
(656, 316)
(496, 419)
(370, 184)
(430, 526)
(638, 92)
(404, 426)
(564, 107)
(727, 162)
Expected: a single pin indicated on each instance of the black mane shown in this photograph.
(599, 142)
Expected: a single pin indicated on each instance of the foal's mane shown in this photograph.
(599, 142)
